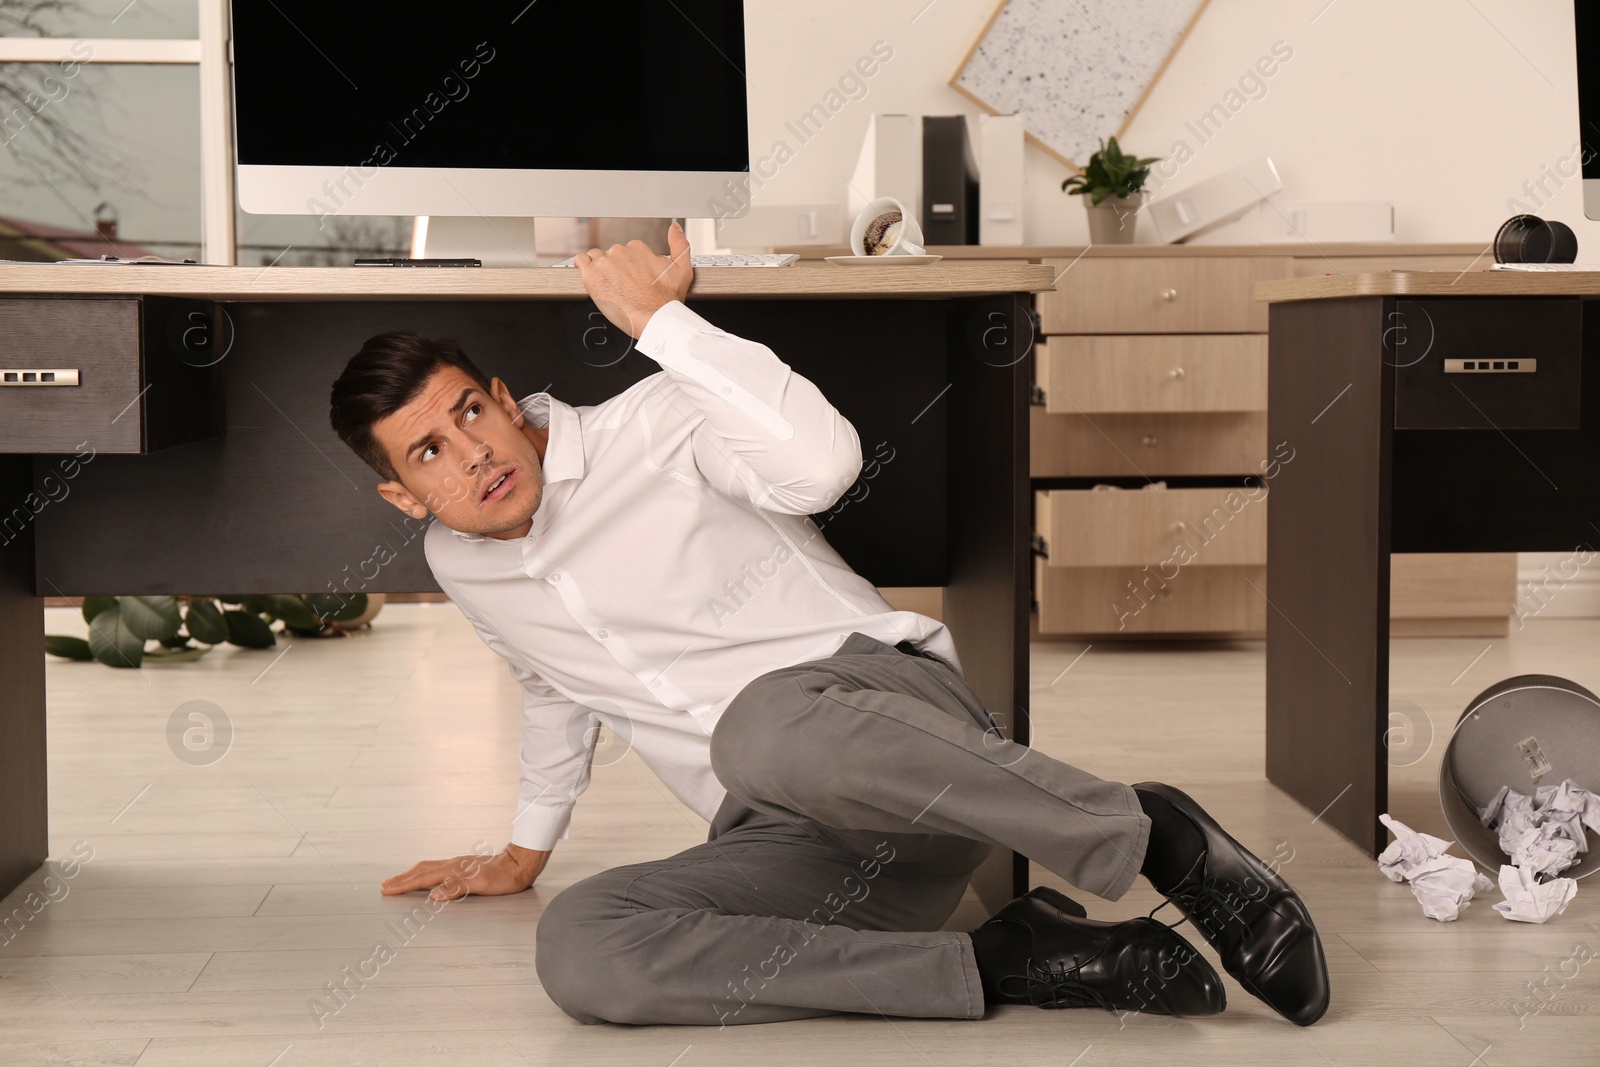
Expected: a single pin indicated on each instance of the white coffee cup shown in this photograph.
(905, 235)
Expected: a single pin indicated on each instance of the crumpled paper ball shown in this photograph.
(1409, 850)
(1529, 900)
(1443, 885)
(1543, 833)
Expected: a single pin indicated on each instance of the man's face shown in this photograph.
(453, 443)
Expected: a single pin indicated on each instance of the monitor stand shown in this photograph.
(527, 242)
(498, 242)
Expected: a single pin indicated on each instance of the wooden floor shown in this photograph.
(220, 898)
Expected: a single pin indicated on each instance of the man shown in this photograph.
(649, 561)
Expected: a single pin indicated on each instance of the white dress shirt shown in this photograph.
(671, 561)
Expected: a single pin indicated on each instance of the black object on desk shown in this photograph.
(404, 261)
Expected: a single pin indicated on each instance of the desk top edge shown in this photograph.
(1157, 250)
(1432, 283)
(511, 283)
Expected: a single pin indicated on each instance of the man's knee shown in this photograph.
(576, 974)
(753, 741)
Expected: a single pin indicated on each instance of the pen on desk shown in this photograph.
(403, 261)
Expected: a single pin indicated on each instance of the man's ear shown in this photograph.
(397, 494)
(502, 396)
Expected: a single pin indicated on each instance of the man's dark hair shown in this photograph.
(388, 373)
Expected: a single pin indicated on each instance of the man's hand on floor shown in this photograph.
(510, 871)
(628, 283)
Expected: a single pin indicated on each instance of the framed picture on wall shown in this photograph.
(1075, 70)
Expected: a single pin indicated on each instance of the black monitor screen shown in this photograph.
(548, 84)
(1587, 25)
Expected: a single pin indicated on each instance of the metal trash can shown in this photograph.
(1524, 732)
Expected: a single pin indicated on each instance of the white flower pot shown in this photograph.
(1111, 221)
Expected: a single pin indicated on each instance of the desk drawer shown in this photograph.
(1149, 445)
(1172, 529)
(1486, 364)
(1454, 594)
(1125, 375)
(1149, 294)
(1127, 602)
(139, 388)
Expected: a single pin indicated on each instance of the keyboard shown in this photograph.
(1592, 267)
(759, 259)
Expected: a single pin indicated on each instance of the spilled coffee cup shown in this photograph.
(885, 228)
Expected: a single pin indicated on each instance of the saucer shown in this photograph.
(902, 261)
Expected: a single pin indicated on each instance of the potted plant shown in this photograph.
(1113, 181)
(120, 626)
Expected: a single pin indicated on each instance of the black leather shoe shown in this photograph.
(1065, 960)
(1258, 925)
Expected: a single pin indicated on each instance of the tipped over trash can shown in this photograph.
(1523, 733)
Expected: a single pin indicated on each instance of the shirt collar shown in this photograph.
(563, 452)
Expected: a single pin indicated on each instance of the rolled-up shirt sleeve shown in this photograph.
(765, 433)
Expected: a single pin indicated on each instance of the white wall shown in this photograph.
(1444, 106)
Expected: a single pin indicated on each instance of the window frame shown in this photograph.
(211, 52)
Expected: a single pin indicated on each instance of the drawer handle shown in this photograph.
(1149, 440)
(1169, 295)
(1176, 372)
(35, 376)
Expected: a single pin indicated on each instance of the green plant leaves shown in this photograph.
(179, 655)
(119, 626)
(1111, 172)
(112, 642)
(248, 629)
(204, 622)
(122, 626)
(151, 618)
(296, 616)
(67, 647)
(337, 607)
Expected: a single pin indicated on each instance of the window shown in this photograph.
(99, 160)
(105, 19)
(116, 138)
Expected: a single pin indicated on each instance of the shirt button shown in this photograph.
(656, 684)
(555, 576)
(601, 634)
(726, 389)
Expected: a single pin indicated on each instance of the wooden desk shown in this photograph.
(205, 390)
(1396, 451)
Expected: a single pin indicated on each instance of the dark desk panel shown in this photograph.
(1500, 489)
(278, 495)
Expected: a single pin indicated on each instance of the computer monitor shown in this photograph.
(1586, 27)
(529, 107)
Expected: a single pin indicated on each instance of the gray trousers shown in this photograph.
(863, 789)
